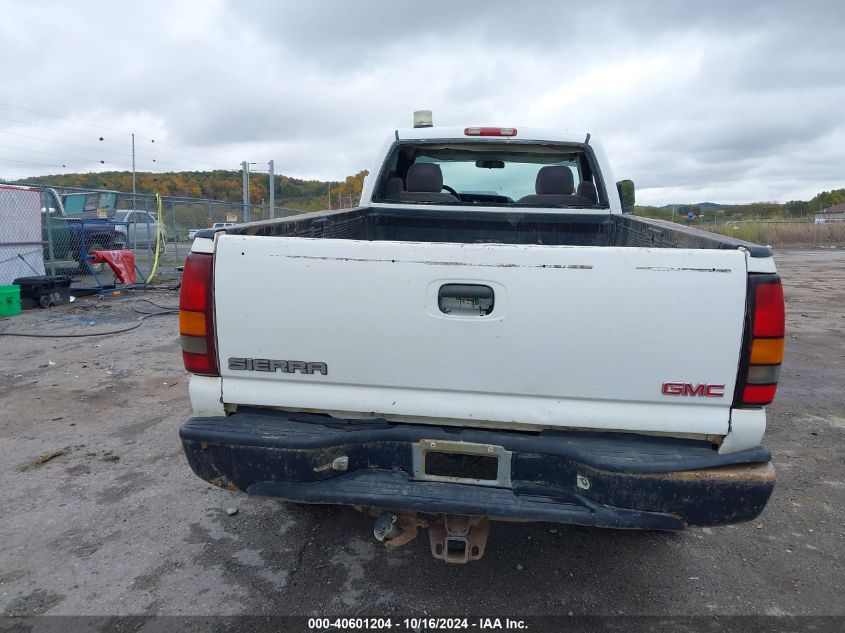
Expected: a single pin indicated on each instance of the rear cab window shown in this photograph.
(491, 174)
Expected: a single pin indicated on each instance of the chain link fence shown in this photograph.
(782, 233)
(51, 230)
(22, 242)
(795, 232)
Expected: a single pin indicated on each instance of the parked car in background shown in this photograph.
(192, 233)
(73, 237)
(139, 227)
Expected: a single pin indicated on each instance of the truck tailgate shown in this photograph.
(582, 337)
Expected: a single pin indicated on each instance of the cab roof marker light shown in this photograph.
(422, 118)
(490, 131)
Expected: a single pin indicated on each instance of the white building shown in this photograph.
(831, 214)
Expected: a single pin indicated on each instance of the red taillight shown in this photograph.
(196, 315)
(769, 317)
(763, 350)
(202, 364)
(490, 131)
(758, 394)
(195, 292)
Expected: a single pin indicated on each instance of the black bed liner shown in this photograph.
(503, 227)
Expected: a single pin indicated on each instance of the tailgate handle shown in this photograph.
(466, 299)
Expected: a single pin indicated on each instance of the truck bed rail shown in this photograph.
(510, 227)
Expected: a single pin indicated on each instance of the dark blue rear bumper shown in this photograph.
(626, 481)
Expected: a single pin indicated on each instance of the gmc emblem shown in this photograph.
(688, 389)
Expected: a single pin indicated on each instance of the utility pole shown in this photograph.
(272, 192)
(330, 196)
(245, 169)
(133, 172)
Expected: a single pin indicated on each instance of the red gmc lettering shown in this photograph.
(672, 388)
(688, 389)
(715, 391)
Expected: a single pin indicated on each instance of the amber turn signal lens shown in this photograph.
(766, 351)
(191, 323)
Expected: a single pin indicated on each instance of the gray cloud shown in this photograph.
(694, 101)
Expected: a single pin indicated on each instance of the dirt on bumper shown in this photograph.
(598, 479)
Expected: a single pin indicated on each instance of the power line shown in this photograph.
(186, 158)
(103, 127)
(88, 136)
(52, 129)
(157, 161)
(56, 116)
(217, 158)
(72, 158)
(146, 163)
(47, 140)
(29, 162)
(35, 151)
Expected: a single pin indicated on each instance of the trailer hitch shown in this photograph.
(453, 538)
(459, 539)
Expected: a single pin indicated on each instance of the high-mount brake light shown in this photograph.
(490, 131)
(763, 354)
(196, 315)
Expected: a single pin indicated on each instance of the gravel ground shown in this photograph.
(116, 523)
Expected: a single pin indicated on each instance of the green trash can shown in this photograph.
(10, 300)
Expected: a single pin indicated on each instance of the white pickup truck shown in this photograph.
(490, 335)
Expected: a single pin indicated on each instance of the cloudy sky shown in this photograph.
(719, 101)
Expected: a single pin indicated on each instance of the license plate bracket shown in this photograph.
(462, 462)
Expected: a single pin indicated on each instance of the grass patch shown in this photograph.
(783, 233)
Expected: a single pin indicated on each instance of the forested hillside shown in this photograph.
(313, 195)
(794, 209)
(227, 185)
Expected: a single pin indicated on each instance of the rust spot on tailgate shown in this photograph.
(679, 269)
(446, 263)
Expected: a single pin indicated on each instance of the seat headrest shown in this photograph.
(424, 177)
(588, 190)
(554, 179)
(393, 186)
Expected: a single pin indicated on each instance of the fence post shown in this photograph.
(272, 191)
(52, 254)
(247, 210)
(175, 230)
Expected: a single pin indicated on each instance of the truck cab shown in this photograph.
(71, 237)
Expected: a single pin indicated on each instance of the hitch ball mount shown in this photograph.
(453, 538)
